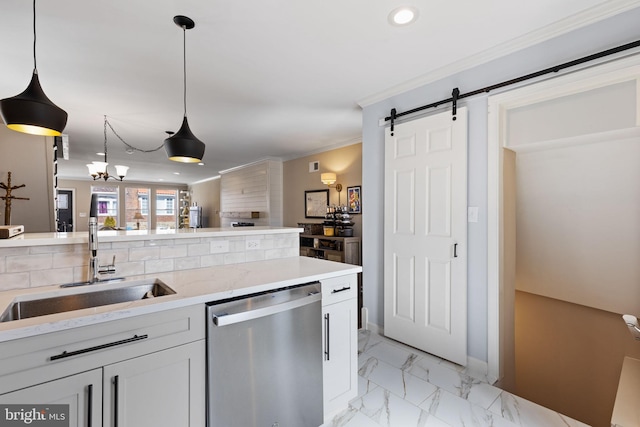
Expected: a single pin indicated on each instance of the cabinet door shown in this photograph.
(166, 388)
(340, 355)
(82, 392)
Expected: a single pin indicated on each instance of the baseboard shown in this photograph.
(376, 329)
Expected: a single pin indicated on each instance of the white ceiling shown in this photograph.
(265, 79)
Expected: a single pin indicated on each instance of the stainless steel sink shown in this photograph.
(139, 290)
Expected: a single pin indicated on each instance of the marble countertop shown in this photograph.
(195, 286)
(45, 239)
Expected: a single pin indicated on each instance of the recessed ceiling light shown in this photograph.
(200, 164)
(100, 154)
(176, 173)
(404, 15)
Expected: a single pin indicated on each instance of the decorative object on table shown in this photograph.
(138, 216)
(98, 170)
(8, 197)
(8, 231)
(311, 228)
(184, 146)
(32, 111)
(354, 200)
(315, 203)
(344, 225)
(109, 223)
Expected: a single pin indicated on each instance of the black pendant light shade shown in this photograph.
(183, 146)
(32, 112)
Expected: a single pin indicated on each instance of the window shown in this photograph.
(166, 217)
(137, 208)
(107, 206)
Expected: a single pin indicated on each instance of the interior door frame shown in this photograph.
(498, 319)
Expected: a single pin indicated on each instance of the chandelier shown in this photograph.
(98, 170)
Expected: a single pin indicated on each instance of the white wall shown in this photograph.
(29, 158)
(577, 224)
(596, 37)
(256, 187)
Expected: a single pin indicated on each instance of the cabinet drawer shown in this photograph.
(57, 354)
(339, 289)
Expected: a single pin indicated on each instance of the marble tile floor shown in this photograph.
(399, 386)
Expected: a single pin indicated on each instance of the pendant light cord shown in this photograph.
(184, 66)
(35, 67)
(108, 123)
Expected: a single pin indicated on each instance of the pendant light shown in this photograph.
(31, 111)
(183, 146)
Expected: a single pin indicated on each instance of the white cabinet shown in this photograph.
(163, 388)
(339, 311)
(144, 370)
(82, 392)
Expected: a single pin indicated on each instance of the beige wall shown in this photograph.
(82, 197)
(568, 356)
(346, 162)
(29, 158)
(207, 195)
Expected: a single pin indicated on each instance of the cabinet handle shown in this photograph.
(98, 347)
(90, 407)
(115, 400)
(455, 250)
(326, 336)
(346, 288)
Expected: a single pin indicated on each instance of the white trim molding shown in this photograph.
(604, 74)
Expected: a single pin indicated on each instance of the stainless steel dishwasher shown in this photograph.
(264, 359)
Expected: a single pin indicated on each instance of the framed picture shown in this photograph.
(354, 200)
(315, 203)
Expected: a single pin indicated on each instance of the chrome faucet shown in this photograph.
(94, 268)
(93, 246)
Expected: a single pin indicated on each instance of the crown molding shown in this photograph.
(353, 141)
(566, 25)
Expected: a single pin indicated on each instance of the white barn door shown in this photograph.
(425, 235)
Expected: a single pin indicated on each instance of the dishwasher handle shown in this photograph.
(229, 319)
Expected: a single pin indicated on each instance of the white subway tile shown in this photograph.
(14, 251)
(219, 246)
(144, 254)
(54, 276)
(129, 268)
(281, 253)
(16, 264)
(255, 255)
(14, 281)
(173, 251)
(127, 245)
(158, 266)
(234, 258)
(186, 263)
(62, 259)
(198, 249)
(211, 260)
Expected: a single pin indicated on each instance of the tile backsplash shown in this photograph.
(34, 266)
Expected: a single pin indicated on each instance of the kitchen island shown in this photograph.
(100, 356)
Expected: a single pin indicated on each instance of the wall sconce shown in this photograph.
(329, 178)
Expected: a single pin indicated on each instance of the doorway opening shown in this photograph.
(564, 157)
